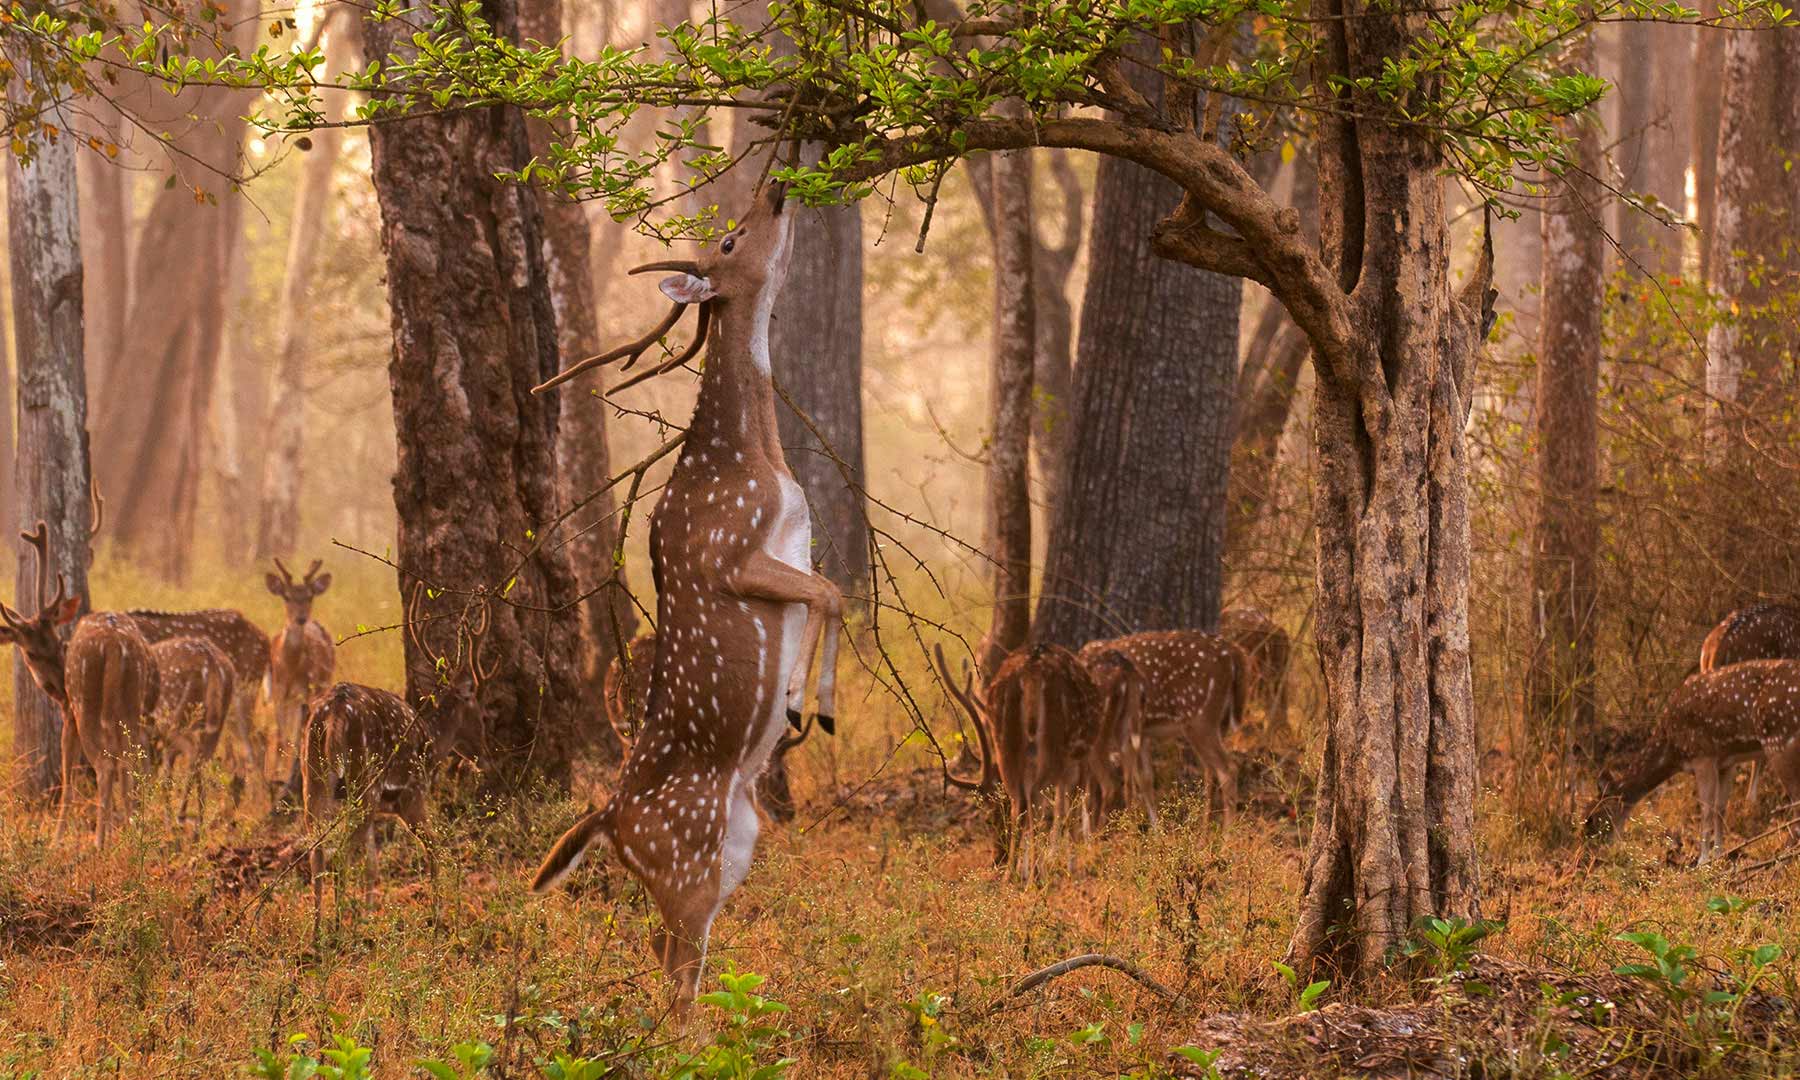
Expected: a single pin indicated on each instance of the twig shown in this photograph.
(1076, 963)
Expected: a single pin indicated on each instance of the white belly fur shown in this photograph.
(790, 541)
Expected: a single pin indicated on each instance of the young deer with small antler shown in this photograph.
(242, 642)
(740, 611)
(302, 659)
(1194, 686)
(1729, 712)
(104, 680)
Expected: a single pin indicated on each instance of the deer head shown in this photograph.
(746, 267)
(298, 596)
(39, 636)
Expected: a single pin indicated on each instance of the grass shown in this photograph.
(876, 918)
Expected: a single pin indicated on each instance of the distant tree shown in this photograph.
(1652, 143)
(1566, 530)
(44, 250)
(474, 331)
(278, 522)
(1707, 86)
(1155, 372)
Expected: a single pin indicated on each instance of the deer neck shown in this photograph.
(736, 408)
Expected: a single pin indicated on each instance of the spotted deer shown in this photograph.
(1729, 712)
(1195, 684)
(103, 679)
(302, 658)
(242, 642)
(197, 685)
(1760, 631)
(742, 618)
(1121, 774)
(1267, 646)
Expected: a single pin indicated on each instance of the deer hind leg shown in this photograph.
(688, 907)
(103, 796)
(1217, 762)
(1709, 792)
(71, 747)
(1784, 765)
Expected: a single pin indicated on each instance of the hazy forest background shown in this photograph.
(1633, 469)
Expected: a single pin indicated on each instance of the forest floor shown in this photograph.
(879, 921)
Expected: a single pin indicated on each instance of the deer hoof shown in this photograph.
(794, 719)
(827, 724)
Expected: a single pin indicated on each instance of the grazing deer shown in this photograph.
(242, 642)
(1729, 712)
(1761, 631)
(1269, 651)
(103, 679)
(302, 658)
(1194, 686)
(1121, 773)
(197, 685)
(740, 612)
(372, 744)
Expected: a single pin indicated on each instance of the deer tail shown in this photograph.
(569, 851)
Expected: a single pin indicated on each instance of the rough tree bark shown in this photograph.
(1708, 90)
(1008, 533)
(158, 392)
(474, 330)
(1155, 367)
(278, 522)
(44, 247)
(584, 464)
(1566, 533)
(816, 347)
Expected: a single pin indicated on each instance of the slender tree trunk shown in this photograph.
(238, 418)
(1157, 361)
(278, 524)
(106, 260)
(1708, 90)
(1008, 539)
(1566, 534)
(474, 330)
(816, 346)
(1394, 836)
(44, 245)
(608, 618)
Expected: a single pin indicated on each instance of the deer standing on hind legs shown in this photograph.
(740, 612)
(302, 659)
(103, 679)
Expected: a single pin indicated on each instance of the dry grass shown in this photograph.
(166, 956)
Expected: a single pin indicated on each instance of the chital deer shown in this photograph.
(1761, 631)
(196, 688)
(103, 679)
(1729, 712)
(372, 744)
(242, 642)
(302, 659)
(1194, 686)
(1268, 649)
(1121, 773)
(740, 613)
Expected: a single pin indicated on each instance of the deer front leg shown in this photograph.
(760, 576)
(70, 746)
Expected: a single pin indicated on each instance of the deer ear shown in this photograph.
(687, 289)
(321, 583)
(274, 584)
(68, 611)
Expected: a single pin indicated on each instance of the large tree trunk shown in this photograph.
(475, 483)
(1154, 376)
(153, 408)
(1008, 534)
(44, 246)
(278, 524)
(608, 617)
(1394, 837)
(816, 343)
(1566, 533)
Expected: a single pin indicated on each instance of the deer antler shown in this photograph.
(412, 625)
(631, 350)
(96, 509)
(965, 696)
(687, 354)
(279, 565)
(311, 570)
(478, 643)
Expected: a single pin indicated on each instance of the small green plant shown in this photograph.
(1668, 968)
(564, 1067)
(1206, 1060)
(1448, 945)
(344, 1059)
(470, 1059)
(1308, 995)
(745, 1048)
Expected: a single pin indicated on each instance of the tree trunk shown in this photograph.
(1644, 144)
(1566, 533)
(816, 343)
(1155, 368)
(1008, 535)
(278, 524)
(44, 245)
(475, 482)
(1394, 837)
(106, 259)
(158, 392)
(608, 618)
(1708, 90)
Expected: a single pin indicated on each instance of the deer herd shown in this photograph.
(746, 631)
